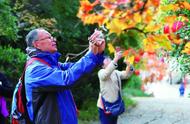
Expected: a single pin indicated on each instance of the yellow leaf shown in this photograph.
(137, 18)
(90, 19)
(163, 41)
(131, 59)
(116, 26)
(169, 7)
(111, 48)
(186, 48)
(152, 28)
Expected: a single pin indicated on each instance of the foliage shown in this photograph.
(89, 110)
(159, 20)
(29, 17)
(8, 22)
(86, 88)
(134, 82)
(184, 62)
(135, 92)
(12, 62)
(128, 102)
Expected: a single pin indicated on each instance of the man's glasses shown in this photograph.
(50, 37)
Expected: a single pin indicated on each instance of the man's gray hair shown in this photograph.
(31, 37)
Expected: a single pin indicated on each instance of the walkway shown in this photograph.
(166, 107)
(158, 111)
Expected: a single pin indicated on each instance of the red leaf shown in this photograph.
(137, 72)
(166, 29)
(137, 59)
(176, 26)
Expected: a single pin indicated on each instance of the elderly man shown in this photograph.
(49, 99)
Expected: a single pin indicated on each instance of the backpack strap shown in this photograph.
(29, 62)
(36, 59)
(28, 121)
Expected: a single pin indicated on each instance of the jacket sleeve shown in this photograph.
(103, 74)
(47, 78)
(124, 75)
(65, 66)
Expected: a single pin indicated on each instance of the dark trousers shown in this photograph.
(107, 118)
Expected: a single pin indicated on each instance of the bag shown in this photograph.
(19, 114)
(116, 108)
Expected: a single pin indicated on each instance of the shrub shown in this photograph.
(12, 62)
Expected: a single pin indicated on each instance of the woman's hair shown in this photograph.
(106, 58)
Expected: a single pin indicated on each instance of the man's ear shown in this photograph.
(35, 44)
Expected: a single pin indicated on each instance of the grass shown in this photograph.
(134, 92)
(89, 111)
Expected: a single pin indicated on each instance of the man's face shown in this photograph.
(45, 42)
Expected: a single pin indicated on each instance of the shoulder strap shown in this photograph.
(23, 84)
(118, 81)
(36, 59)
(119, 84)
(29, 62)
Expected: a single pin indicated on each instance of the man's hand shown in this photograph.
(97, 42)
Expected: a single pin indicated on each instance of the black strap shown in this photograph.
(118, 84)
(118, 81)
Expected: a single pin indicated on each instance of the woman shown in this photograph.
(110, 85)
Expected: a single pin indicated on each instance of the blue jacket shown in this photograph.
(49, 99)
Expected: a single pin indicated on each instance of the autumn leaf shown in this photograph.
(153, 28)
(111, 48)
(163, 41)
(90, 19)
(186, 48)
(150, 45)
(169, 7)
(137, 17)
(170, 19)
(116, 26)
(130, 59)
(156, 3)
(86, 5)
(147, 19)
(125, 53)
(185, 4)
(177, 41)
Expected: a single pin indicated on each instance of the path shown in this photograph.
(166, 107)
(158, 111)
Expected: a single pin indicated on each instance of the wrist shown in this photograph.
(115, 60)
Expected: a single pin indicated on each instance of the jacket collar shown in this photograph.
(51, 58)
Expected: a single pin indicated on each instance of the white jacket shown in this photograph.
(109, 79)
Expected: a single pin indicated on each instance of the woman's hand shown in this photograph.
(118, 55)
